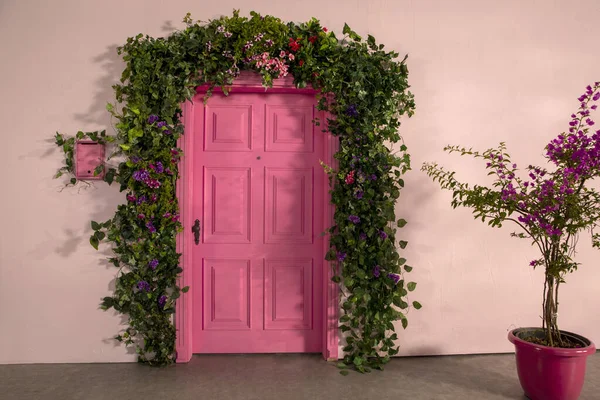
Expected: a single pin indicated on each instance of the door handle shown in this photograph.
(196, 231)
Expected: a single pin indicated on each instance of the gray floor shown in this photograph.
(280, 377)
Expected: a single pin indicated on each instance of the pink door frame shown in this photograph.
(246, 83)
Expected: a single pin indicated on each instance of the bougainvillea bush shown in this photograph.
(363, 87)
(550, 206)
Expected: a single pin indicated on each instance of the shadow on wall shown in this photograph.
(112, 66)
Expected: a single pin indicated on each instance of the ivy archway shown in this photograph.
(369, 90)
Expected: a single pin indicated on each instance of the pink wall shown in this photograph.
(480, 75)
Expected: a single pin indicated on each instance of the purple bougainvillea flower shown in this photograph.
(143, 286)
(359, 194)
(373, 177)
(153, 264)
(341, 256)
(162, 300)
(354, 219)
(161, 124)
(394, 277)
(141, 175)
(141, 199)
(376, 271)
(362, 236)
(152, 119)
(167, 132)
(159, 167)
(383, 235)
(150, 227)
(135, 159)
(351, 111)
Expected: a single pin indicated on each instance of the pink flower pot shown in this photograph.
(550, 373)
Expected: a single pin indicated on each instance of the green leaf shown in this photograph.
(411, 286)
(73, 181)
(401, 223)
(403, 244)
(417, 305)
(99, 235)
(408, 268)
(94, 242)
(185, 289)
(96, 226)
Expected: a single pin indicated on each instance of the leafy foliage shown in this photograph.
(364, 87)
(550, 207)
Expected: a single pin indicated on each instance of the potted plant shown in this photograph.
(551, 207)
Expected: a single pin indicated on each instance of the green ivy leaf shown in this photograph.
(411, 286)
(403, 244)
(417, 305)
(408, 268)
(401, 223)
(94, 242)
(185, 289)
(96, 226)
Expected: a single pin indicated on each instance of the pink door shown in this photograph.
(258, 195)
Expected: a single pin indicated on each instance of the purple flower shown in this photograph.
(359, 194)
(159, 167)
(269, 43)
(143, 286)
(130, 198)
(153, 264)
(227, 34)
(351, 111)
(135, 159)
(383, 235)
(533, 263)
(341, 256)
(161, 124)
(596, 96)
(141, 175)
(376, 271)
(150, 227)
(373, 177)
(141, 199)
(152, 119)
(362, 236)
(394, 277)
(354, 219)
(162, 300)
(153, 197)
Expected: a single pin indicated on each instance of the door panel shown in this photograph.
(258, 191)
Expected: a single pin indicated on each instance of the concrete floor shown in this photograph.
(277, 377)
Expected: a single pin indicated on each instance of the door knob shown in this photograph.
(196, 231)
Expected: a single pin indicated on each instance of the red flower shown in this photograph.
(350, 178)
(324, 29)
(294, 45)
(312, 39)
(301, 62)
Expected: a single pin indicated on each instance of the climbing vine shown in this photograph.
(369, 93)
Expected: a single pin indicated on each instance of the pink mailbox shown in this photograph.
(88, 155)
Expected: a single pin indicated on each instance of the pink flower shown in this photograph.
(350, 178)
(282, 54)
(291, 57)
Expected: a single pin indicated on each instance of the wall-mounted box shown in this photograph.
(88, 156)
